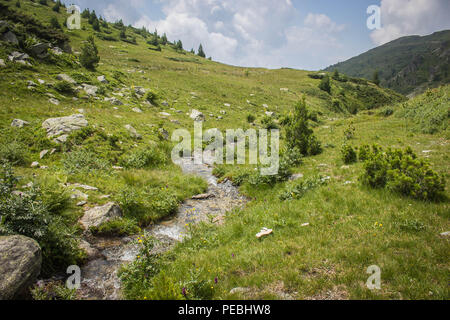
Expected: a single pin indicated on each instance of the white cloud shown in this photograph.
(323, 22)
(411, 17)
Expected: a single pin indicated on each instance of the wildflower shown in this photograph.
(216, 280)
(183, 291)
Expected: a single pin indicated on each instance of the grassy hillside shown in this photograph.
(408, 65)
(351, 226)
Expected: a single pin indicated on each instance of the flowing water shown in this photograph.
(99, 276)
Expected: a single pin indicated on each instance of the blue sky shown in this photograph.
(302, 34)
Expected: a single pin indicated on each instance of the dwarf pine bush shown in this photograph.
(402, 172)
(348, 154)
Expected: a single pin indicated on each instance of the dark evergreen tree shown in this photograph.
(201, 53)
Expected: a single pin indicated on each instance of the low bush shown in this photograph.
(64, 87)
(116, 228)
(402, 172)
(298, 189)
(348, 154)
(149, 157)
(15, 153)
(83, 161)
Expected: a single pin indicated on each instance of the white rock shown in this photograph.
(65, 77)
(54, 101)
(18, 123)
(137, 110)
(445, 234)
(227, 105)
(35, 164)
(98, 215)
(197, 115)
(43, 154)
(133, 132)
(64, 125)
(264, 232)
(2, 63)
(305, 224)
(102, 79)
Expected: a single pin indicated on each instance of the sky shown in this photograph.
(300, 34)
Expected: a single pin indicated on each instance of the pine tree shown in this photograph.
(325, 84)
(164, 39)
(201, 53)
(89, 57)
(298, 133)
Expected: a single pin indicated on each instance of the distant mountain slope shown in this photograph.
(407, 65)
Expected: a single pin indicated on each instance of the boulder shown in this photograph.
(20, 264)
(35, 164)
(64, 125)
(10, 37)
(102, 79)
(54, 101)
(18, 123)
(92, 253)
(98, 215)
(40, 50)
(18, 56)
(65, 77)
(140, 92)
(133, 132)
(197, 115)
(43, 154)
(90, 90)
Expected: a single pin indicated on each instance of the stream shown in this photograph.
(99, 279)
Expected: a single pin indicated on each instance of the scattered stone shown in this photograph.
(102, 79)
(117, 168)
(163, 133)
(44, 167)
(64, 125)
(57, 50)
(40, 50)
(18, 123)
(18, 56)
(445, 234)
(35, 164)
(296, 176)
(10, 37)
(98, 215)
(115, 101)
(81, 203)
(20, 264)
(133, 132)
(197, 115)
(43, 154)
(54, 101)
(165, 103)
(227, 105)
(265, 106)
(264, 232)
(427, 151)
(2, 63)
(61, 139)
(284, 89)
(90, 90)
(305, 224)
(85, 187)
(204, 196)
(77, 194)
(239, 290)
(347, 183)
(106, 196)
(269, 113)
(91, 252)
(41, 81)
(139, 91)
(165, 114)
(31, 83)
(137, 110)
(219, 118)
(65, 77)
(223, 112)
(345, 167)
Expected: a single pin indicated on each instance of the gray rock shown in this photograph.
(40, 50)
(61, 139)
(65, 77)
(31, 83)
(64, 125)
(20, 264)
(137, 110)
(296, 176)
(77, 194)
(81, 203)
(197, 115)
(35, 164)
(98, 215)
(43, 154)
(115, 102)
(445, 234)
(18, 56)
(18, 123)
(102, 79)
(10, 37)
(269, 113)
(54, 101)
(239, 290)
(90, 90)
(91, 252)
(2, 63)
(164, 134)
(140, 92)
(165, 114)
(165, 103)
(57, 50)
(133, 132)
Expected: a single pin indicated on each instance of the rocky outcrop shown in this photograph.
(20, 264)
(40, 50)
(98, 215)
(10, 37)
(59, 126)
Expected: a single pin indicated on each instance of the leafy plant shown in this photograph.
(89, 57)
(348, 154)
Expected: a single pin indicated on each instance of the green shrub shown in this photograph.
(298, 189)
(299, 134)
(64, 87)
(117, 227)
(33, 214)
(83, 161)
(15, 153)
(150, 97)
(54, 23)
(89, 57)
(268, 123)
(402, 172)
(325, 84)
(150, 157)
(364, 152)
(251, 118)
(348, 154)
